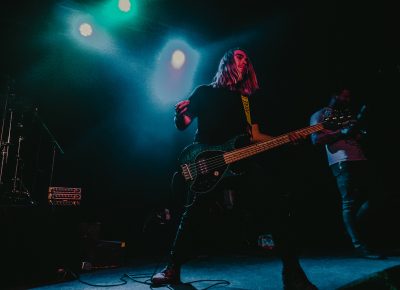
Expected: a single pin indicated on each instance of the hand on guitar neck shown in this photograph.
(297, 137)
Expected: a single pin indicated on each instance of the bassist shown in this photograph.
(224, 109)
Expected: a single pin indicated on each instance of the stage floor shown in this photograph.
(241, 271)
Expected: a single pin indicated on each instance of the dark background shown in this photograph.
(121, 148)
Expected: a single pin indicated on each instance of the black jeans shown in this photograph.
(254, 193)
(357, 187)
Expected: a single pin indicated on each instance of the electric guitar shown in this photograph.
(204, 166)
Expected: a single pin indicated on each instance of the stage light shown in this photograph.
(124, 5)
(111, 14)
(85, 29)
(178, 59)
(86, 32)
(174, 72)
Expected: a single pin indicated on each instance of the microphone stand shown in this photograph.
(55, 145)
(19, 194)
(4, 145)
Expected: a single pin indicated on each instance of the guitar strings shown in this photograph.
(215, 162)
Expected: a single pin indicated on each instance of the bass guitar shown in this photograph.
(204, 166)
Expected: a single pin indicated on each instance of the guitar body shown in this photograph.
(207, 164)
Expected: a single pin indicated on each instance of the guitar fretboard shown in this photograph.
(256, 148)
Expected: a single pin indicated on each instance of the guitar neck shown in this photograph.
(250, 150)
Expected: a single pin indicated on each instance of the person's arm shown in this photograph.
(187, 110)
(325, 136)
(257, 135)
(182, 119)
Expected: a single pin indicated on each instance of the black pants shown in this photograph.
(255, 193)
(359, 196)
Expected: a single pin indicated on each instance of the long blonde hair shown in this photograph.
(228, 76)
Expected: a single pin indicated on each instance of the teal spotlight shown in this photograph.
(124, 5)
(113, 13)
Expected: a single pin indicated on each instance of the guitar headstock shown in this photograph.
(338, 119)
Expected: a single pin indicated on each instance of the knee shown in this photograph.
(348, 205)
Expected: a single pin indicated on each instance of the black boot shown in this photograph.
(364, 252)
(171, 274)
(294, 278)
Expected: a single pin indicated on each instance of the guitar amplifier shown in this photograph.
(64, 196)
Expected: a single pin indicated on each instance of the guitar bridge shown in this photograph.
(186, 172)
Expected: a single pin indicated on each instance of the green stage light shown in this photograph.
(113, 13)
(124, 5)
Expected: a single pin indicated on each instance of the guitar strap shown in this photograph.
(246, 106)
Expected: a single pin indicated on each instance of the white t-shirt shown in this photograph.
(341, 150)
